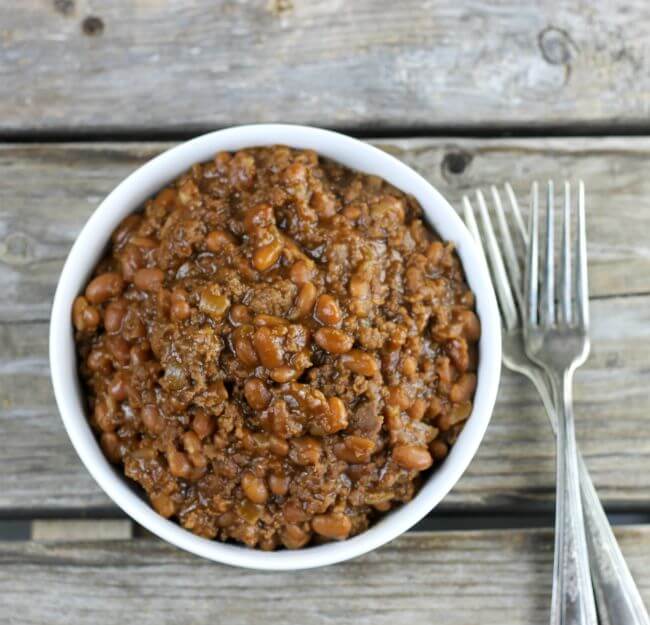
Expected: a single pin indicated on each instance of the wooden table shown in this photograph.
(469, 93)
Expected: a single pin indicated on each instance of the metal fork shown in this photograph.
(619, 601)
(560, 344)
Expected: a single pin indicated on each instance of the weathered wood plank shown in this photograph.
(493, 577)
(48, 192)
(78, 530)
(514, 466)
(121, 65)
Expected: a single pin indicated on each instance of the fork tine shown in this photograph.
(548, 291)
(531, 281)
(564, 311)
(519, 220)
(581, 280)
(472, 226)
(499, 275)
(512, 263)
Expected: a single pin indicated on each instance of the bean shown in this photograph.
(239, 315)
(254, 488)
(439, 449)
(131, 260)
(258, 217)
(360, 362)
(99, 361)
(113, 316)
(293, 512)
(132, 326)
(293, 537)
(460, 412)
(327, 310)
(398, 396)
(434, 252)
(301, 271)
(249, 511)
(279, 484)
(166, 198)
(214, 305)
(409, 366)
(111, 446)
(352, 212)
(191, 442)
(359, 287)
(118, 388)
(203, 424)
(180, 308)
(104, 417)
(417, 409)
(464, 388)
(388, 209)
(268, 349)
(128, 225)
(119, 349)
(435, 407)
(179, 465)
(336, 526)
(278, 446)
(459, 353)
(226, 519)
(284, 374)
(362, 447)
(305, 299)
(267, 255)
(103, 287)
(324, 204)
(256, 394)
(218, 239)
(305, 451)
(471, 325)
(84, 316)
(338, 415)
(243, 346)
(269, 320)
(333, 341)
(444, 422)
(149, 279)
(152, 419)
(163, 505)
(140, 353)
(412, 457)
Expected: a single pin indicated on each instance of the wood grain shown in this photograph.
(48, 191)
(80, 530)
(121, 66)
(514, 465)
(456, 578)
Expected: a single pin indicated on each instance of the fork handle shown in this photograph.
(617, 596)
(573, 599)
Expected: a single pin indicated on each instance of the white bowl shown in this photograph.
(129, 196)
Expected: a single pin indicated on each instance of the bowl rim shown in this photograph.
(128, 196)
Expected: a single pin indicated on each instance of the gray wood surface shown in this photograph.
(50, 190)
(455, 578)
(86, 66)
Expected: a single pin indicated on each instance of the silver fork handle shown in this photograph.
(617, 596)
(573, 599)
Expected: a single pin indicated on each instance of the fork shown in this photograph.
(619, 601)
(559, 343)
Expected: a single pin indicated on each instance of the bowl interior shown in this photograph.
(129, 196)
